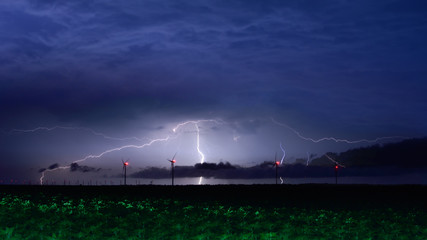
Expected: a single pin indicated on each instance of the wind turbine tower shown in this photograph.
(336, 173)
(276, 164)
(125, 164)
(173, 161)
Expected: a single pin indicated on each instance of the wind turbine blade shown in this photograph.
(334, 161)
(173, 158)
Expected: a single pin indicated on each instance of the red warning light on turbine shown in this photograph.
(174, 161)
(126, 163)
(336, 167)
(277, 163)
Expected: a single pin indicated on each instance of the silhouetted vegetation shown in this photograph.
(406, 154)
(214, 166)
(377, 160)
(76, 167)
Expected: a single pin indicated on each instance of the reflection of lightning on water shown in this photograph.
(133, 146)
(337, 140)
(73, 128)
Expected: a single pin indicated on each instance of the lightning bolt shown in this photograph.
(308, 159)
(13, 131)
(51, 170)
(284, 153)
(105, 152)
(196, 125)
(202, 156)
(337, 140)
(281, 180)
(196, 122)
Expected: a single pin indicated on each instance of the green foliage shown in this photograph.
(61, 217)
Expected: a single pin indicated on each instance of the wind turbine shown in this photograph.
(125, 164)
(172, 161)
(276, 164)
(336, 167)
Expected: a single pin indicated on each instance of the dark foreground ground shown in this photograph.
(309, 195)
(214, 212)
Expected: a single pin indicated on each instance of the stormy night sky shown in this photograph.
(110, 80)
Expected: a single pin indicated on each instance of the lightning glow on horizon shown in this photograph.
(130, 146)
(196, 122)
(337, 140)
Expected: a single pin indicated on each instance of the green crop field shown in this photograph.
(187, 213)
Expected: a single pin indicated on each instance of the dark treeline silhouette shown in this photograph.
(76, 167)
(214, 166)
(378, 160)
(51, 167)
(262, 171)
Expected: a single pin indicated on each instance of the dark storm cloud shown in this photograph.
(53, 166)
(91, 61)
